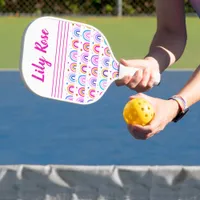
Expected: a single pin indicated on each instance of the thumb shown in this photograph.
(141, 95)
(124, 62)
(152, 100)
(140, 63)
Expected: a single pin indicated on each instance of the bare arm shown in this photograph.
(169, 43)
(191, 91)
(170, 38)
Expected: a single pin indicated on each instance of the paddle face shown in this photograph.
(67, 61)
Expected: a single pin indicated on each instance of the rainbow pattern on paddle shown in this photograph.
(90, 59)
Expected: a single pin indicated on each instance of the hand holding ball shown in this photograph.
(138, 111)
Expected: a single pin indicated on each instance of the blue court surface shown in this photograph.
(34, 130)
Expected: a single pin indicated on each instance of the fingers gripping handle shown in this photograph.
(126, 71)
(130, 71)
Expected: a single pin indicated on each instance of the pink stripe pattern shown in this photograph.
(60, 59)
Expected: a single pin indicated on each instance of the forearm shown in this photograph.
(191, 91)
(166, 48)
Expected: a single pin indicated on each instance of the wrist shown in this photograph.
(182, 107)
(175, 108)
(155, 68)
(154, 63)
(163, 56)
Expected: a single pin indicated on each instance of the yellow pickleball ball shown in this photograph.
(138, 111)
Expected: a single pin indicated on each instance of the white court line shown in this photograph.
(179, 69)
(172, 69)
(9, 70)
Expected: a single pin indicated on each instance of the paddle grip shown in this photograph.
(130, 71)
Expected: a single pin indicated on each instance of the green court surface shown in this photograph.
(129, 37)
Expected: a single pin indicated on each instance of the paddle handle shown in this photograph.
(130, 71)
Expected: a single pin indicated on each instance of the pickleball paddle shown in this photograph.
(69, 61)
